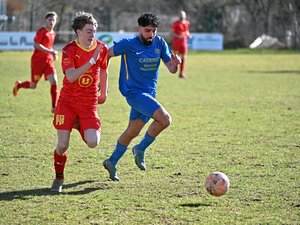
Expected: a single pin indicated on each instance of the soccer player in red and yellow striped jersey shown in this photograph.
(42, 60)
(84, 63)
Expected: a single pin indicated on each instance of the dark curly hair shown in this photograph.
(81, 19)
(148, 19)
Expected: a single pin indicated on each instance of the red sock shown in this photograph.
(53, 92)
(59, 165)
(25, 84)
(182, 68)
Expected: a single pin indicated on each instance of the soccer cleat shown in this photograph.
(16, 88)
(181, 76)
(113, 175)
(57, 185)
(139, 158)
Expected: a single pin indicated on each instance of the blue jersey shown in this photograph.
(140, 63)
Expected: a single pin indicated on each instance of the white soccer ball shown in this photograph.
(217, 183)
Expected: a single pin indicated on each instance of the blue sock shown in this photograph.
(145, 142)
(117, 153)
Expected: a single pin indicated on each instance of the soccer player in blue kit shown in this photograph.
(141, 56)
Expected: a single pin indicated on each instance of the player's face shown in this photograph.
(147, 34)
(50, 22)
(86, 36)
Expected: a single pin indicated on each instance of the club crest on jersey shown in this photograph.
(157, 51)
(85, 80)
(66, 61)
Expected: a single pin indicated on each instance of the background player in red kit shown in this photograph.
(42, 59)
(84, 63)
(180, 35)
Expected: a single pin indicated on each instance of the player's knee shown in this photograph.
(33, 85)
(166, 121)
(92, 142)
(92, 138)
(132, 134)
(62, 148)
(53, 82)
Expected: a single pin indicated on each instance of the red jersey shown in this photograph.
(45, 38)
(84, 90)
(181, 29)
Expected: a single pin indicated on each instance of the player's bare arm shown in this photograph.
(103, 86)
(172, 65)
(44, 49)
(110, 53)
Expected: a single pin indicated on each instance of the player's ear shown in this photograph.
(139, 29)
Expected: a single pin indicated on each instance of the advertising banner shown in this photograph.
(24, 40)
(16, 40)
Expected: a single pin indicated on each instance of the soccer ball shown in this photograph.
(217, 183)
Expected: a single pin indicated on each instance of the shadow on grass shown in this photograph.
(194, 205)
(275, 71)
(25, 194)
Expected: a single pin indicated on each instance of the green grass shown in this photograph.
(237, 112)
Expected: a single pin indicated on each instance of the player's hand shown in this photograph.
(97, 52)
(54, 53)
(176, 59)
(101, 99)
(55, 57)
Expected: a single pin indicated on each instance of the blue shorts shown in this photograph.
(143, 106)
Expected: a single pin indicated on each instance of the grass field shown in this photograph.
(237, 112)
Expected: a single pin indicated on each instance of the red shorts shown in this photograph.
(65, 116)
(40, 67)
(180, 48)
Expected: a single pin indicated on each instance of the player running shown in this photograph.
(84, 63)
(180, 35)
(141, 56)
(42, 59)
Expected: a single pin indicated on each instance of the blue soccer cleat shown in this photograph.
(113, 175)
(139, 158)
